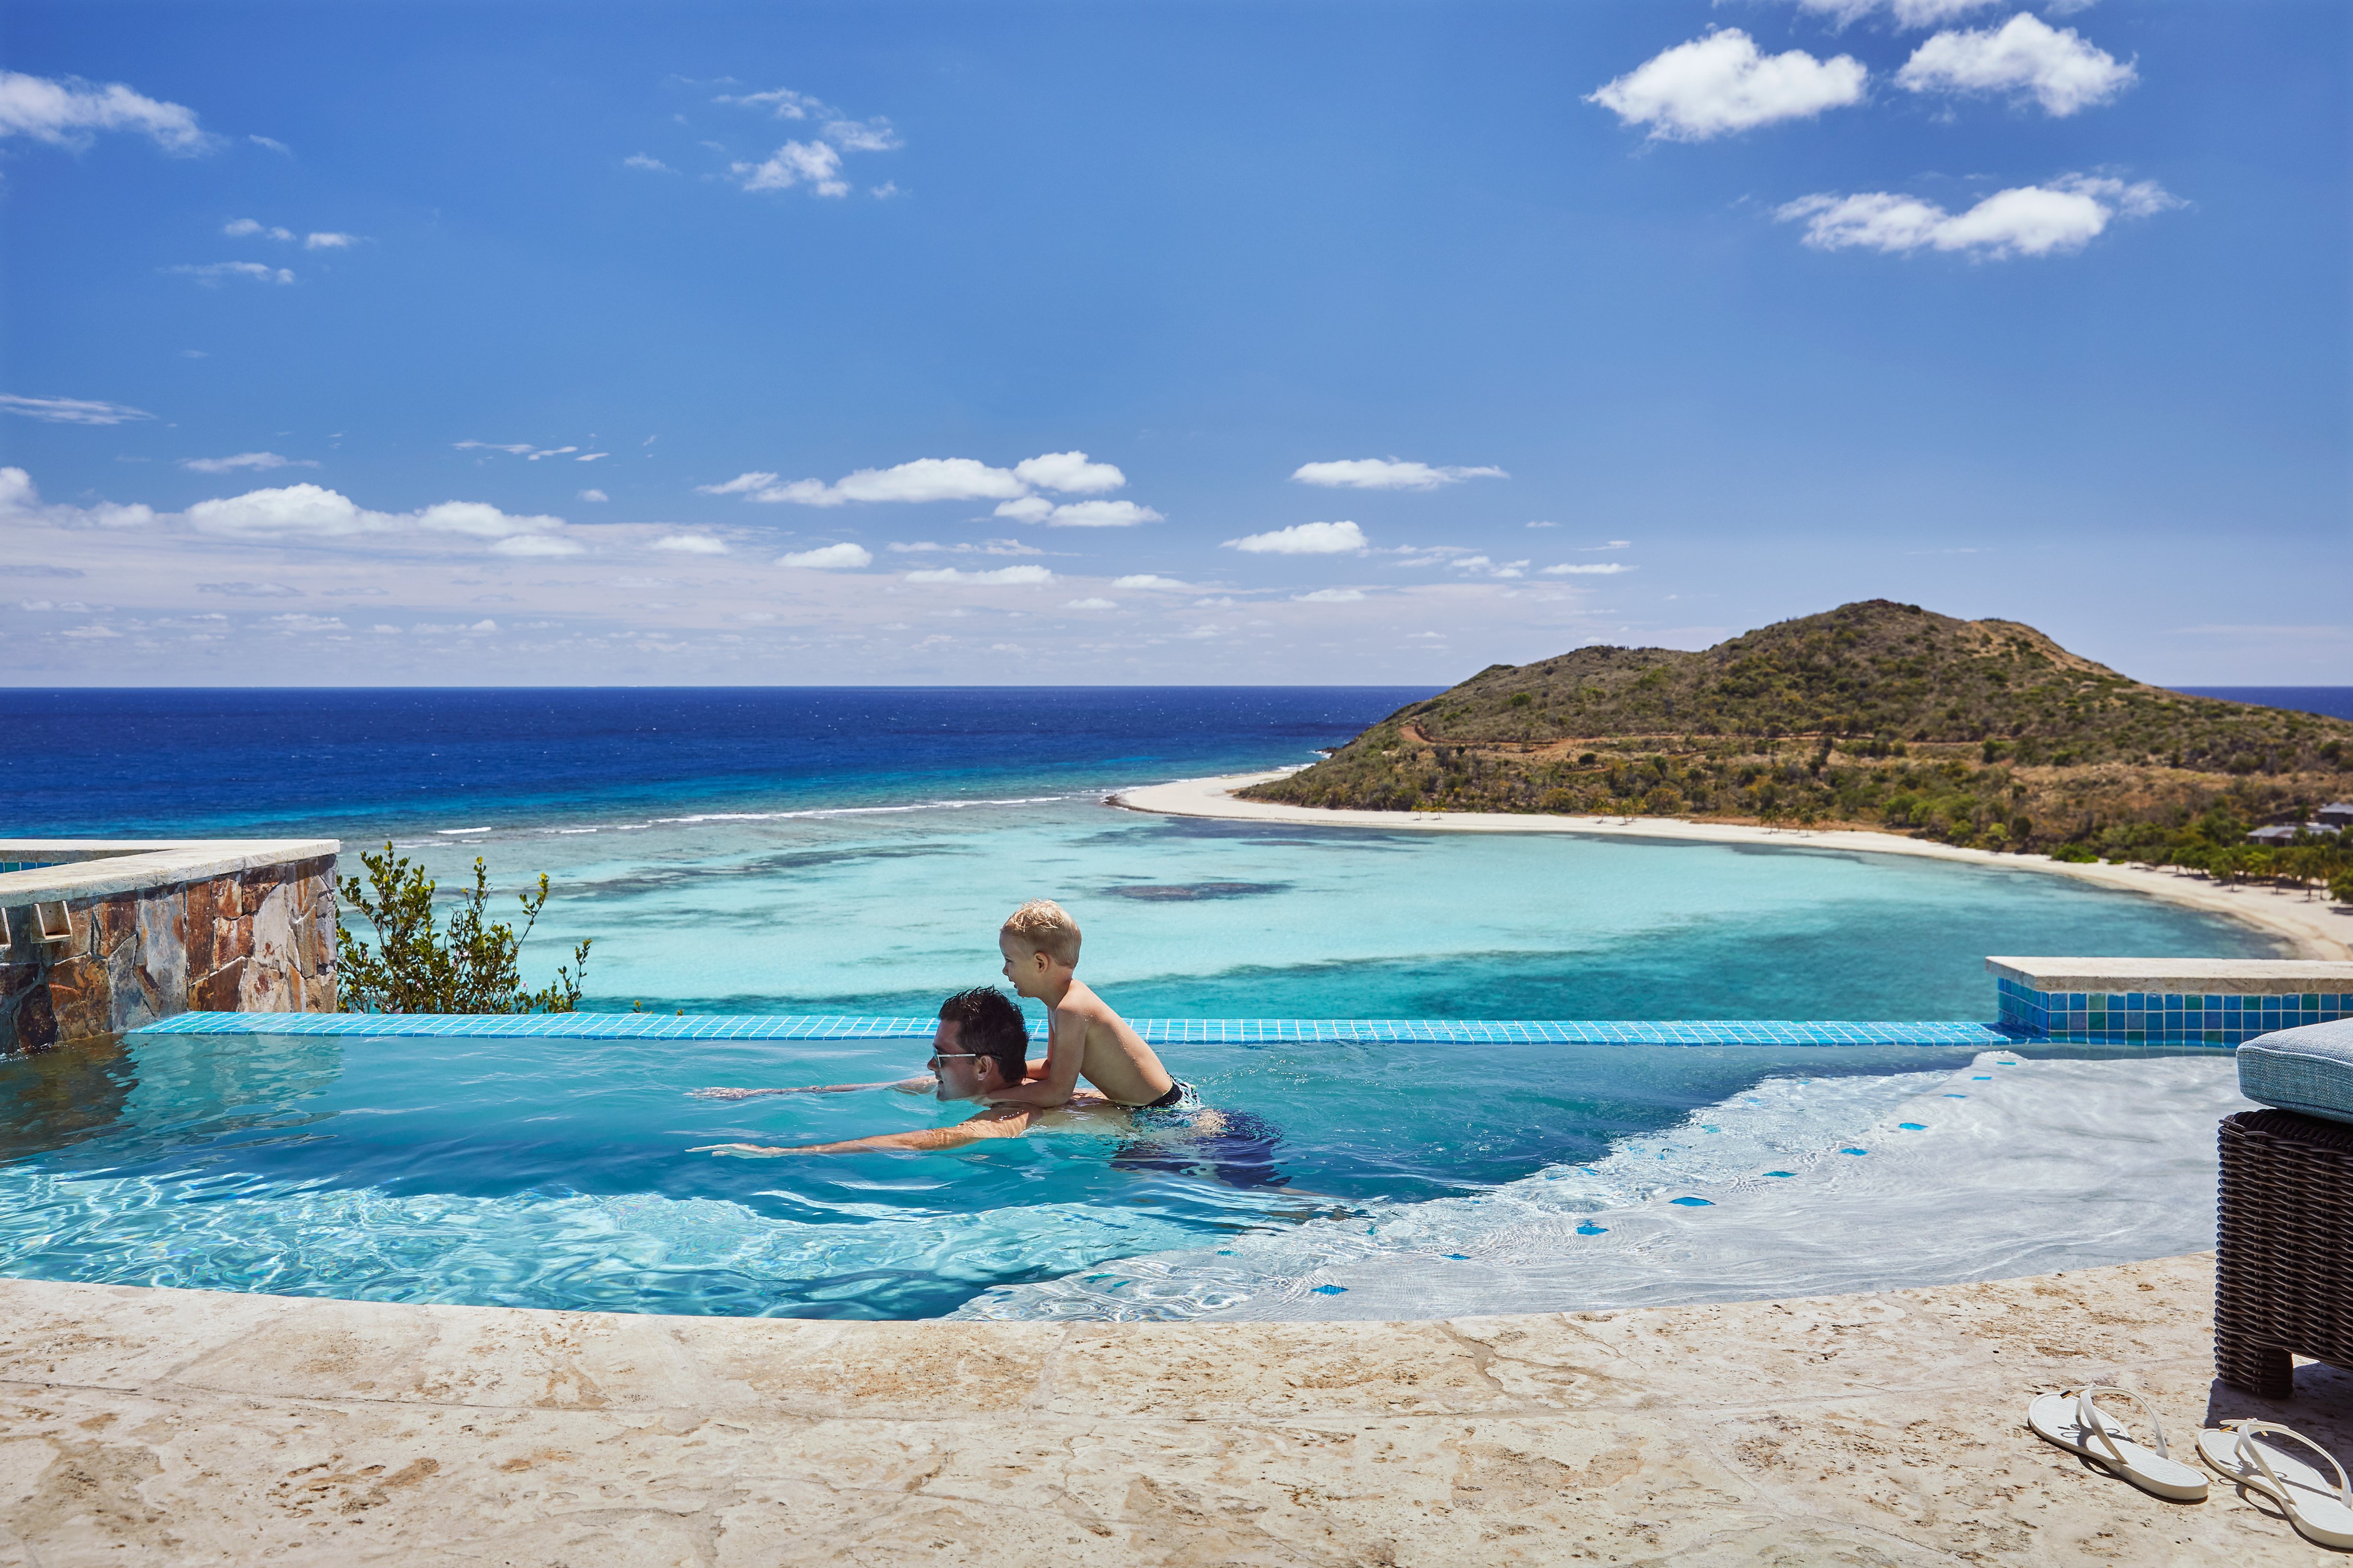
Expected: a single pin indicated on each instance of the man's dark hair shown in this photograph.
(989, 1024)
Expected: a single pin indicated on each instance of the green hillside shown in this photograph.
(1874, 714)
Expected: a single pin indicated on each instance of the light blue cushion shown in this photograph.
(2308, 1069)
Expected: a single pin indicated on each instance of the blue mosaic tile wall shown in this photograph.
(2159, 1018)
(1156, 1031)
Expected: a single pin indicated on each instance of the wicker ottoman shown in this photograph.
(2283, 1265)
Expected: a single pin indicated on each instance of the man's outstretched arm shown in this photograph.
(996, 1121)
(921, 1085)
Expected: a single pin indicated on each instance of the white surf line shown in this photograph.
(2314, 928)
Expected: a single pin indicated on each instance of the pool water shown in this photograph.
(555, 1174)
(551, 1173)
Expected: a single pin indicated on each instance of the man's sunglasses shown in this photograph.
(939, 1056)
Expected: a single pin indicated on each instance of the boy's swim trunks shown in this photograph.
(1179, 1092)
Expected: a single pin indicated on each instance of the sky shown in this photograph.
(1126, 342)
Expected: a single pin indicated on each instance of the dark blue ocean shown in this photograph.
(98, 762)
(2336, 701)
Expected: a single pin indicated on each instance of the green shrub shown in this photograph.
(414, 969)
(2073, 854)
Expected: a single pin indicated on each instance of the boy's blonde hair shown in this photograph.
(1044, 926)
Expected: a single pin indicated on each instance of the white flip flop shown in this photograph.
(2075, 1423)
(2322, 1512)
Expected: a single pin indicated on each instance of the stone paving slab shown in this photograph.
(170, 1426)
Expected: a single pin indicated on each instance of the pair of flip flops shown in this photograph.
(2250, 1453)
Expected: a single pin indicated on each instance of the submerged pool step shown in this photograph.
(1156, 1031)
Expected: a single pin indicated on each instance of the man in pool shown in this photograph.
(979, 1051)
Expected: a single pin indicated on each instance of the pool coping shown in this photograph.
(96, 868)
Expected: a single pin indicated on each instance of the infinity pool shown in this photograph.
(551, 1173)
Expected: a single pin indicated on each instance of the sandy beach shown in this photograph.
(2312, 927)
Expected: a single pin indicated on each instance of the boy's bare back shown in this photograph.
(1112, 1056)
(1084, 1038)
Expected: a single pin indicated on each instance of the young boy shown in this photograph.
(1084, 1038)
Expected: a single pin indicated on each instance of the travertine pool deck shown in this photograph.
(143, 1425)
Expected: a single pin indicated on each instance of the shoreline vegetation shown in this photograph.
(2313, 926)
(1874, 718)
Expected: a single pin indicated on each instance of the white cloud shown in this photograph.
(1000, 576)
(1150, 580)
(812, 164)
(1329, 596)
(1206, 630)
(786, 103)
(1720, 83)
(2030, 220)
(2054, 66)
(875, 135)
(1091, 604)
(641, 160)
(1100, 514)
(71, 410)
(742, 484)
(308, 511)
(1594, 569)
(273, 143)
(695, 544)
(986, 547)
(1070, 472)
(251, 590)
(1387, 474)
(214, 271)
(245, 227)
(842, 557)
(590, 456)
(885, 191)
(1028, 509)
(1303, 539)
(923, 479)
(63, 112)
(92, 630)
(595, 495)
(300, 623)
(524, 450)
(1912, 13)
(244, 460)
(816, 163)
(19, 498)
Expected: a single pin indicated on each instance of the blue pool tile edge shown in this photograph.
(1157, 1031)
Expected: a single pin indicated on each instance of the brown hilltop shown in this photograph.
(1874, 714)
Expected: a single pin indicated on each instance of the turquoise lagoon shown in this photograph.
(1353, 1180)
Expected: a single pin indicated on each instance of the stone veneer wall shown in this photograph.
(261, 939)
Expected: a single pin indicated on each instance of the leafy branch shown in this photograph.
(414, 968)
